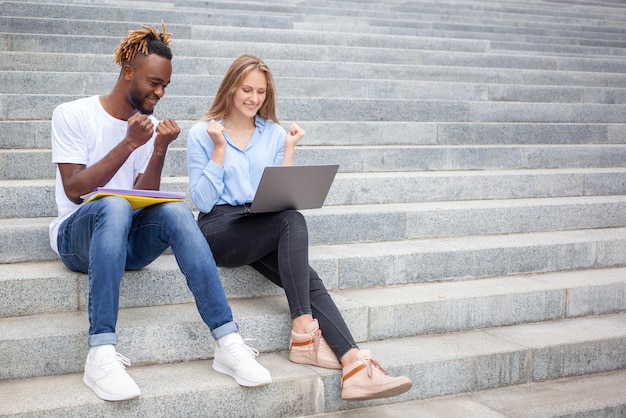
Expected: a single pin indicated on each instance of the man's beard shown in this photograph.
(136, 100)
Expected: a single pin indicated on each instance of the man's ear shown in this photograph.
(127, 72)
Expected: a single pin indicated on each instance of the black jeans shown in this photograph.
(277, 246)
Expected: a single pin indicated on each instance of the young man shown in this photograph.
(114, 141)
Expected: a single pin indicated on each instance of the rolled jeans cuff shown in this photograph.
(223, 330)
(102, 339)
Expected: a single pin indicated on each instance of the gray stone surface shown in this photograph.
(473, 238)
(597, 396)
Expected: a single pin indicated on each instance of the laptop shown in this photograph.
(293, 187)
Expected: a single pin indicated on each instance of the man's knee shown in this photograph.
(176, 212)
(114, 212)
(113, 205)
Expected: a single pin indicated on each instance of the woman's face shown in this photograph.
(250, 95)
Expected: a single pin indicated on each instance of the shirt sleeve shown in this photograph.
(206, 182)
(280, 151)
(68, 139)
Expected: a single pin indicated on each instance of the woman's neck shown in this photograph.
(239, 124)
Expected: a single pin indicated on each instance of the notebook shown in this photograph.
(293, 187)
(138, 198)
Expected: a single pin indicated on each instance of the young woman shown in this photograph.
(227, 151)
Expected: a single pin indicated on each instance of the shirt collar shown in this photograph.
(259, 122)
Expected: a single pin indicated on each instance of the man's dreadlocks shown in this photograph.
(146, 40)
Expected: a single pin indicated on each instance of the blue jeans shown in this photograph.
(106, 237)
(277, 246)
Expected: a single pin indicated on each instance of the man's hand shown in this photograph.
(139, 131)
(167, 132)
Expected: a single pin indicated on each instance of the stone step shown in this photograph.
(207, 32)
(54, 83)
(491, 30)
(37, 288)
(605, 37)
(551, 17)
(534, 13)
(225, 49)
(589, 34)
(518, 43)
(439, 365)
(392, 214)
(542, 48)
(35, 134)
(527, 14)
(303, 32)
(546, 297)
(594, 395)
(143, 14)
(36, 164)
(35, 198)
(384, 263)
(412, 14)
(462, 276)
(42, 24)
(185, 66)
(27, 107)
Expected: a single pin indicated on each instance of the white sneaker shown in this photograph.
(105, 374)
(237, 360)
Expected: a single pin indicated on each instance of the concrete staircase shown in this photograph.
(475, 237)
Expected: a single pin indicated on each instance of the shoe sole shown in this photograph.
(243, 382)
(387, 393)
(107, 396)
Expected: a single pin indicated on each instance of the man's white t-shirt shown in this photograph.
(83, 133)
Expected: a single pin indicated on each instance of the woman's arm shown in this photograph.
(205, 174)
(294, 135)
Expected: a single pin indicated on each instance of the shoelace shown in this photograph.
(242, 349)
(116, 360)
(317, 336)
(371, 365)
(367, 363)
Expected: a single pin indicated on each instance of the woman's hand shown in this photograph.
(216, 132)
(294, 135)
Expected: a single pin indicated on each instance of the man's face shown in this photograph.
(151, 75)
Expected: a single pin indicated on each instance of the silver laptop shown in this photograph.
(293, 187)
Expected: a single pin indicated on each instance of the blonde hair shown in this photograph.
(146, 40)
(238, 70)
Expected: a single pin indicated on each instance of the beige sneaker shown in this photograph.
(311, 348)
(366, 379)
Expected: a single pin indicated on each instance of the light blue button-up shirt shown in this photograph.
(234, 184)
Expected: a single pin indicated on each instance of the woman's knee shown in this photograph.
(294, 220)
